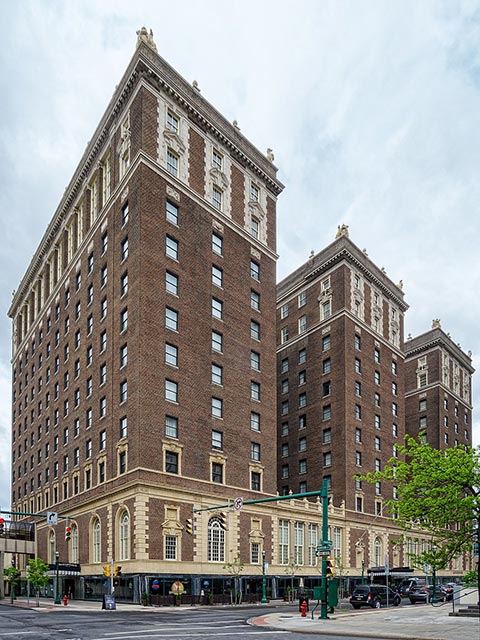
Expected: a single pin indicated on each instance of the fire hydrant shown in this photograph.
(65, 600)
(303, 609)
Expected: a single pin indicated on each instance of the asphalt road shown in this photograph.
(25, 624)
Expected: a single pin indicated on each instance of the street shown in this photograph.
(59, 624)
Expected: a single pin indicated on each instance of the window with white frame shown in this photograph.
(124, 536)
(216, 540)
(284, 541)
(96, 541)
(217, 197)
(171, 547)
(298, 542)
(172, 162)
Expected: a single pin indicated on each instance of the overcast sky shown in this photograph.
(371, 107)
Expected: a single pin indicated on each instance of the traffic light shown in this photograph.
(117, 571)
(2, 526)
(330, 567)
(223, 519)
(106, 570)
(68, 534)
(189, 526)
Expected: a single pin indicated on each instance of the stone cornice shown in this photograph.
(436, 338)
(341, 249)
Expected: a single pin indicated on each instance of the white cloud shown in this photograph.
(371, 109)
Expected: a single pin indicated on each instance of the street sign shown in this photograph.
(327, 543)
(238, 503)
(52, 517)
(177, 588)
(323, 553)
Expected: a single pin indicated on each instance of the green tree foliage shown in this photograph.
(37, 575)
(437, 492)
(12, 576)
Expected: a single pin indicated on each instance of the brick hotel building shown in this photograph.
(144, 362)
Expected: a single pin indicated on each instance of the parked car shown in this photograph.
(373, 595)
(424, 593)
(403, 588)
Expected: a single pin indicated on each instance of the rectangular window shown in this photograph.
(123, 391)
(103, 407)
(171, 319)
(217, 407)
(302, 400)
(217, 308)
(283, 335)
(377, 377)
(254, 270)
(284, 311)
(327, 459)
(302, 467)
(327, 436)
(377, 443)
(255, 360)
(123, 355)
(171, 213)
(255, 486)
(173, 122)
(171, 283)
(302, 324)
(358, 365)
(377, 355)
(171, 354)
(217, 472)
(217, 197)
(422, 405)
(394, 367)
(217, 243)
(124, 249)
(217, 276)
(326, 388)
(302, 299)
(358, 388)
(171, 461)
(172, 162)
(217, 439)
(326, 343)
(326, 366)
(171, 390)
(123, 427)
(254, 421)
(171, 247)
(394, 409)
(254, 300)
(302, 444)
(358, 342)
(255, 451)
(254, 227)
(217, 341)
(103, 440)
(358, 458)
(358, 435)
(124, 214)
(254, 390)
(254, 330)
(171, 426)
(217, 374)
(254, 192)
(358, 412)
(327, 412)
(217, 160)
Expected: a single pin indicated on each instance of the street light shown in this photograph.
(264, 580)
(434, 574)
(57, 585)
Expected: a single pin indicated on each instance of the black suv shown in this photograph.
(373, 595)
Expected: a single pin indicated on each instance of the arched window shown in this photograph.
(96, 541)
(216, 541)
(74, 557)
(378, 552)
(124, 537)
(52, 547)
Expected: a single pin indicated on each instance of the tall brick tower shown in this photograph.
(144, 338)
(438, 389)
(340, 374)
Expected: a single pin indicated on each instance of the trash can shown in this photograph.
(302, 599)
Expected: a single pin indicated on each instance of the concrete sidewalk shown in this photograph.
(412, 622)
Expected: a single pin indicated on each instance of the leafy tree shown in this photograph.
(437, 492)
(37, 575)
(12, 576)
(235, 568)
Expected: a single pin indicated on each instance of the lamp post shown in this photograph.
(57, 585)
(363, 571)
(434, 574)
(264, 580)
